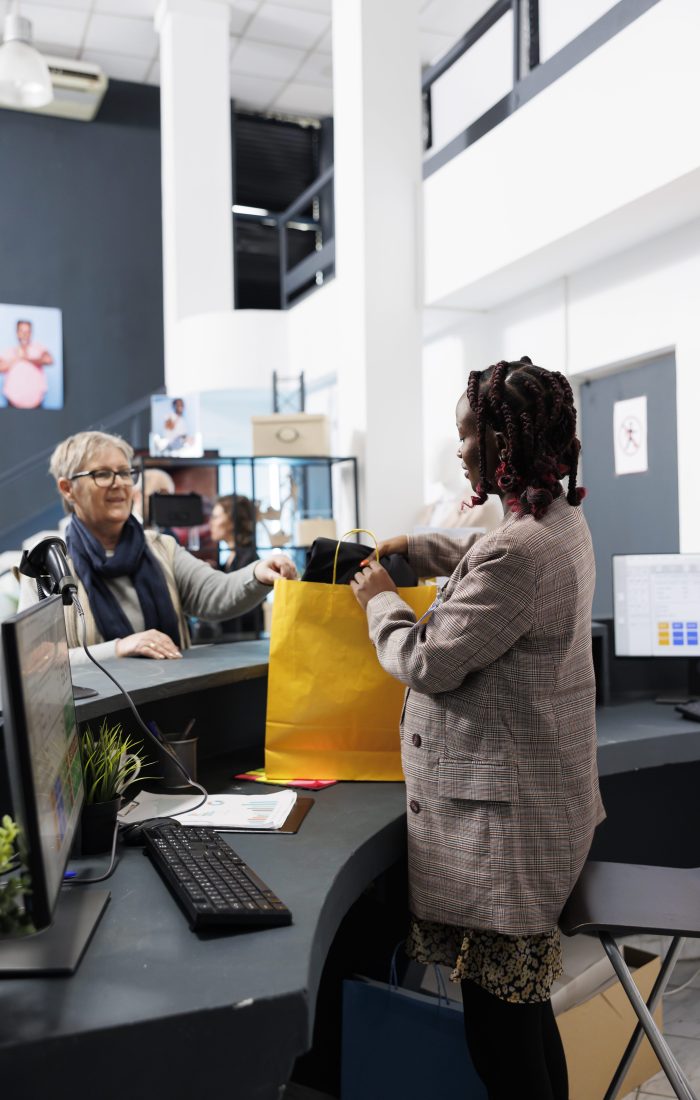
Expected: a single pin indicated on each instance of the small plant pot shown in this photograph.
(172, 778)
(97, 826)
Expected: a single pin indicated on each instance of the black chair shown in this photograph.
(613, 899)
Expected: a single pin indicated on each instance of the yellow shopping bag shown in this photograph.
(332, 710)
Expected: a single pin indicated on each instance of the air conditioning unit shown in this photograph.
(78, 89)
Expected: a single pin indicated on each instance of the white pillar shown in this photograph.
(196, 164)
(378, 204)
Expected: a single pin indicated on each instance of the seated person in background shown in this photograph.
(447, 511)
(233, 521)
(136, 586)
(447, 503)
(150, 483)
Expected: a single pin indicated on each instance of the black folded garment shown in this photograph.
(319, 567)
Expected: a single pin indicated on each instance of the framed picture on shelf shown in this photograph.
(175, 427)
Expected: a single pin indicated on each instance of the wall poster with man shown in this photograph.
(175, 426)
(31, 357)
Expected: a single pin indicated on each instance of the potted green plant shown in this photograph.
(110, 764)
(15, 882)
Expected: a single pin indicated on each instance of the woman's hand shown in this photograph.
(397, 545)
(370, 582)
(268, 571)
(148, 643)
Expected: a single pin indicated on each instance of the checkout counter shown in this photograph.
(156, 1010)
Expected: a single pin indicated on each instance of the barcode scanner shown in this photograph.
(47, 562)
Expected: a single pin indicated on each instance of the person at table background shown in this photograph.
(498, 737)
(232, 522)
(152, 482)
(136, 586)
(24, 385)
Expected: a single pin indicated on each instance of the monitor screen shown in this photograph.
(656, 605)
(43, 753)
(175, 510)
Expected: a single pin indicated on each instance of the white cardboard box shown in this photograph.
(310, 529)
(301, 434)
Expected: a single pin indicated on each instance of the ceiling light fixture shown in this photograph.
(25, 80)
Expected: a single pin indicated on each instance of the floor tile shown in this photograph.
(687, 1051)
(682, 1013)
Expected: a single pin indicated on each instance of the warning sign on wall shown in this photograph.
(630, 436)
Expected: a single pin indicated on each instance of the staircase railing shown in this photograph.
(28, 507)
(319, 265)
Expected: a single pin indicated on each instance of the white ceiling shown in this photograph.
(280, 49)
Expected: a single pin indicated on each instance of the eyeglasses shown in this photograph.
(104, 479)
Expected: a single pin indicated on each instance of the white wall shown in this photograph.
(313, 327)
(448, 357)
(600, 160)
(229, 349)
(560, 22)
(601, 318)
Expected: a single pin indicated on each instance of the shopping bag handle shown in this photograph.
(353, 531)
(442, 998)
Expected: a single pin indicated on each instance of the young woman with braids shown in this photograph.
(498, 732)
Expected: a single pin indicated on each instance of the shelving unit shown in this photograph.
(286, 489)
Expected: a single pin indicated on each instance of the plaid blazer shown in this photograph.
(498, 736)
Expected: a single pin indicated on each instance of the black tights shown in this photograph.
(516, 1048)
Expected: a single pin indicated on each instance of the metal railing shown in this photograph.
(27, 492)
(525, 33)
(320, 263)
(530, 75)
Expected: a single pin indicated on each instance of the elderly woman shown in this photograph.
(137, 586)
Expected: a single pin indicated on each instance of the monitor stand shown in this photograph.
(693, 678)
(692, 691)
(59, 948)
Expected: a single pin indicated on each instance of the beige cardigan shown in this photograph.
(194, 587)
(163, 550)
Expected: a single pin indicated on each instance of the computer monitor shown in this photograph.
(656, 605)
(175, 510)
(46, 785)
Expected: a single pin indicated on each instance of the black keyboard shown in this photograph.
(214, 886)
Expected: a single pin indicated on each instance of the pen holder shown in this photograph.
(185, 749)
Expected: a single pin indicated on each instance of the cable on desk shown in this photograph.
(161, 745)
(114, 860)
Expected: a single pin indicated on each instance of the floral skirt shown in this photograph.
(518, 969)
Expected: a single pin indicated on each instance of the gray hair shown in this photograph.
(156, 476)
(73, 454)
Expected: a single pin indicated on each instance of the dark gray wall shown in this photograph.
(80, 229)
(633, 513)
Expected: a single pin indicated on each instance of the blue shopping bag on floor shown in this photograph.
(397, 1043)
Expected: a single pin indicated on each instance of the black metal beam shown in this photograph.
(517, 40)
(306, 270)
(306, 196)
(467, 40)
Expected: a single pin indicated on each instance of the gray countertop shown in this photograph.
(644, 734)
(145, 967)
(200, 1005)
(200, 668)
(631, 734)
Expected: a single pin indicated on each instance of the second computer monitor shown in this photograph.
(656, 604)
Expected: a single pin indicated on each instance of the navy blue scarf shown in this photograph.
(132, 558)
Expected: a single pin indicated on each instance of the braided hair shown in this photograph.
(534, 410)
